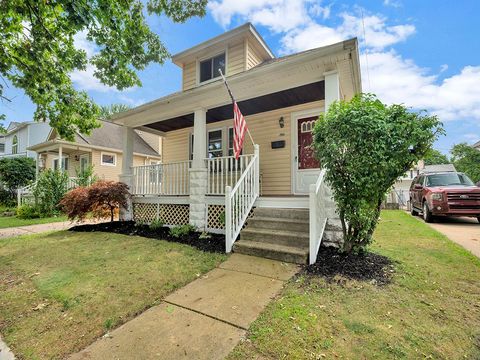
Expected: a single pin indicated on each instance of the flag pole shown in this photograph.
(233, 100)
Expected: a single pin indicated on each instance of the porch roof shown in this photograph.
(282, 82)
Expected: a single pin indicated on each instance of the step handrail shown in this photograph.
(239, 200)
(318, 215)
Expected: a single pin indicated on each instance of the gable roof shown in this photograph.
(247, 30)
(110, 135)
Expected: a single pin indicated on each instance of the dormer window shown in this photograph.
(209, 67)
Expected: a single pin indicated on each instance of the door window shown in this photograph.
(306, 156)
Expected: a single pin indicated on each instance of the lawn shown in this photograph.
(60, 291)
(13, 221)
(430, 310)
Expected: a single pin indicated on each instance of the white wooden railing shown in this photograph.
(162, 179)
(239, 200)
(225, 171)
(25, 194)
(318, 215)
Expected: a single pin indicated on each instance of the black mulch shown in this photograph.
(371, 267)
(216, 243)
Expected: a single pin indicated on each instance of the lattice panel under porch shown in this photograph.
(214, 213)
(170, 214)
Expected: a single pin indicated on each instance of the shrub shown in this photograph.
(365, 146)
(28, 212)
(182, 230)
(16, 172)
(156, 224)
(101, 199)
(85, 177)
(49, 189)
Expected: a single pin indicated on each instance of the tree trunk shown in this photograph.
(112, 211)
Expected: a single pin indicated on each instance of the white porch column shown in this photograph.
(60, 158)
(332, 88)
(198, 171)
(37, 165)
(126, 176)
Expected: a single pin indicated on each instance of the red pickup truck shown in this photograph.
(444, 194)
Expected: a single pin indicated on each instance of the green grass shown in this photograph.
(430, 310)
(13, 221)
(60, 291)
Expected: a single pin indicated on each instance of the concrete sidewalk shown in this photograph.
(203, 320)
(34, 229)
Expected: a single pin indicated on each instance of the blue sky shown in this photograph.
(425, 54)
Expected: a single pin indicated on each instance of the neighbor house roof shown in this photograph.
(109, 135)
(438, 168)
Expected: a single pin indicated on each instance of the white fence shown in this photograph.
(239, 200)
(162, 179)
(225, 171)
(318, 215)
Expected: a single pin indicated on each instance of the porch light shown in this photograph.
(281, 122)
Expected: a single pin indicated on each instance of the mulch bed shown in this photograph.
(370, 267)
(216, 243)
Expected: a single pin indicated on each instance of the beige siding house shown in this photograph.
(277, 184)
(102, 150)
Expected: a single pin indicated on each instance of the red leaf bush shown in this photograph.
(101, 199)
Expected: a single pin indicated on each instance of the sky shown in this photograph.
(424, 54)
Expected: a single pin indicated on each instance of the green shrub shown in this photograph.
(16, 172)
(28, 212)
(156, 224)
(49, 189)
(85, 177)
(182, 230)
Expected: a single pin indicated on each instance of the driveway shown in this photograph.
(464, 231)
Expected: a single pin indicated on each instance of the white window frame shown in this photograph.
(67, 162)
(199, 60)
(84, 156)
(222, 137)
(108, 164)
(15, 144)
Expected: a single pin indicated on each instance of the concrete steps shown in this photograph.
(275, 233)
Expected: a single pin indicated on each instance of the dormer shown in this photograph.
(235, 51)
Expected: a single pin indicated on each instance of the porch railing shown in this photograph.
(162, 179)
(225, 171)
(318, 215)
(240, 198)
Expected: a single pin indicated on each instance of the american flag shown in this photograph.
(239, 130)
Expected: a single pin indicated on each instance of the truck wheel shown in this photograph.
(427, 215)
(478, 219)
(413, 211)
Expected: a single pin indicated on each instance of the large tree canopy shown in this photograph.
(37, 51)
(365, 146)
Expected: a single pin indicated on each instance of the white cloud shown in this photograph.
(393, 3)
(278, 15)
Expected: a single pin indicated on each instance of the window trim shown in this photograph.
(222, 149)
(108, 164)
(15, 145)
(67, 162)
(206, 57)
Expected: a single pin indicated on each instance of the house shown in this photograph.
(438, 168)
(277, 180)
(2, 145)
(102, 150)
(21, 135)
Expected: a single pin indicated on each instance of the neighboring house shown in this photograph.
(438, 168)
(22, 135)
(476, 145)
(102, 149)
(2, 145)
(199, 181)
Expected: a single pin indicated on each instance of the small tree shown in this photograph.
(16, 172)
(86, 177)
(365, 146)
(467, 159)
(435, 157)
(49, 189)
(101, 199)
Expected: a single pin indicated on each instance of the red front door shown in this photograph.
(306, 158)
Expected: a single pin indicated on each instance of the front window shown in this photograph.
(15, 145)
(450, 179)
(209, 67)
(214, 145)
(64, 164)
(109, 159)
(2, 148)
